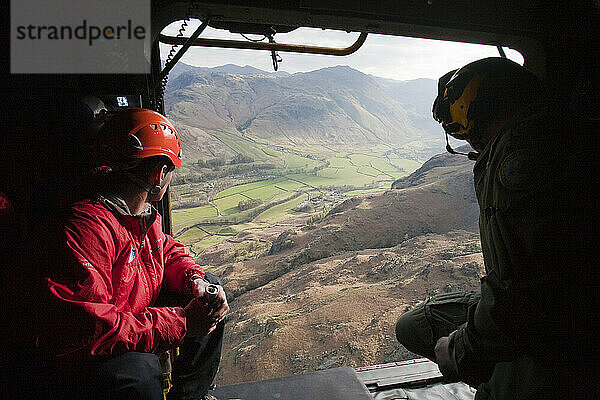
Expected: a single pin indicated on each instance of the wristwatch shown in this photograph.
(192, 279)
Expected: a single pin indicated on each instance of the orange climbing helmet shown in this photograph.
(138, 133)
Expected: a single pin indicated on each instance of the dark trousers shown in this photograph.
(198, 362)
(131, 375)
(420, 328)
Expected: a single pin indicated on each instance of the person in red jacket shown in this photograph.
(104, 320)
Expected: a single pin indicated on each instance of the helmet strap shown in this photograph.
(154, 189)
(477, 135)
(140, 183)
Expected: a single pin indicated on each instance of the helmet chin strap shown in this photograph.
(151, 189)
(471, 155)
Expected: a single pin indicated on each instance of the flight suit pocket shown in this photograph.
(446, 312)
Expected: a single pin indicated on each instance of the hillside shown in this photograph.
(320, 286)
(445, 167)
(307, 297)
(336, 106)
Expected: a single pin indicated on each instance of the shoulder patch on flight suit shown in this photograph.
(519, 170)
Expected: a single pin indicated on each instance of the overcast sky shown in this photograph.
(392, 57)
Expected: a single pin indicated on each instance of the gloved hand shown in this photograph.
(444, 357)
(203, 314)
(197, 321)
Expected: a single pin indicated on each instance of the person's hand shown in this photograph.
(197, 321)
(444, 357)
(215, 307)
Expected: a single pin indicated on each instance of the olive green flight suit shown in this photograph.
(526, 334)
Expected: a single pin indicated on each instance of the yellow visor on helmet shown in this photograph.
(451, 107)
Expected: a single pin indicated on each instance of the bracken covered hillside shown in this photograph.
(307, 297)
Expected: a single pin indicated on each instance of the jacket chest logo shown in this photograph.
(132, 254)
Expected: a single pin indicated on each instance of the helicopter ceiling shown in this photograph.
(530, 27)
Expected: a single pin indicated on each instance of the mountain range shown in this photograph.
(335, 106)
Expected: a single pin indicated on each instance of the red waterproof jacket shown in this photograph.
(104, 282)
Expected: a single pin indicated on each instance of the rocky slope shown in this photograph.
(310, 297)
(340, 310)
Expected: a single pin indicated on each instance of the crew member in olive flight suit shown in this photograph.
(527, 332)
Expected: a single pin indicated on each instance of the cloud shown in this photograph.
(394, 57)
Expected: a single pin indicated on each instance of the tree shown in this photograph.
(248, 204)
(241, 159)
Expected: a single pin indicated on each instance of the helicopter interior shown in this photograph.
(50, 116)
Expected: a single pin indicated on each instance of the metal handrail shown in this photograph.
(295, 48)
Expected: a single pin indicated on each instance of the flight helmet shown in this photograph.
(480, 90)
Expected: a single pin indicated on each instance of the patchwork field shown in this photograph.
(304, 183)
(182, 216)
